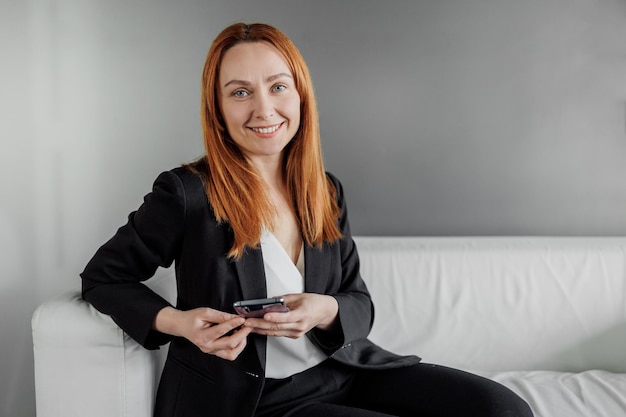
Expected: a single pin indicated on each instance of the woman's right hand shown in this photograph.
(208, 329)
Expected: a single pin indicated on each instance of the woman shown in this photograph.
(258, 216)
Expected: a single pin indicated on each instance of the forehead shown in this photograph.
(250, 61)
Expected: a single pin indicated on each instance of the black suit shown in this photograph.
(176, 223)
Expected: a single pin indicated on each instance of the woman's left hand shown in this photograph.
(306, 311)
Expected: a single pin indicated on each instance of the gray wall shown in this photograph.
(447, 117)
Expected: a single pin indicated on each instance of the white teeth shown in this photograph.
(266, 129)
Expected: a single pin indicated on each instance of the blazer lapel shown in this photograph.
(251, 271)
(251, 275)
(316, 269)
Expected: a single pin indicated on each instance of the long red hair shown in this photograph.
(234, 188)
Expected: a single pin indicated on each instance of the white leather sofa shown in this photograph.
(544, 316)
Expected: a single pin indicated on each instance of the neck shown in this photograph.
(271, 170)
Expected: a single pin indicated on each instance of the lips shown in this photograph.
(266, 130)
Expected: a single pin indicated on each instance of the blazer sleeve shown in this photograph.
(356, 309)
(151, 238)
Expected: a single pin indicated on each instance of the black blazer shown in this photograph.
(176, 224)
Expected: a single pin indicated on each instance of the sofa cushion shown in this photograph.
(590, 393)
(500, 303)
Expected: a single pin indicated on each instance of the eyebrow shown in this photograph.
(269, 79)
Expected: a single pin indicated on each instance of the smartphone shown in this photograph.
(258, 307)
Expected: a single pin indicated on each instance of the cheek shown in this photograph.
(292, 107)
(233, 116)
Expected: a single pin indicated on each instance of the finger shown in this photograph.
(257, 323)
(286, 317)
(216, 331)
(232, 354)
(277, 332)
(266, 325)
(216, 316)
(226, 343)
(291, 298)
(232, 338)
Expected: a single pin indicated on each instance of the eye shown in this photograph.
(240, 93)
(279, 88)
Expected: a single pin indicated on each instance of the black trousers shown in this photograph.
(333, 390)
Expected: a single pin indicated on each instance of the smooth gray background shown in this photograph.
(442, 117)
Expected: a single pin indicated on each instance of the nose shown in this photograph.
(263, 106)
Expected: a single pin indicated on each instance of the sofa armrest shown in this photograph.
(82, 355)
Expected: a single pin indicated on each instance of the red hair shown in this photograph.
(234, 188)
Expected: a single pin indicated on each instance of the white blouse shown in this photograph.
(285, 356)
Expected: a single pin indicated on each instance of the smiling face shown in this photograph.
(258, 99)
